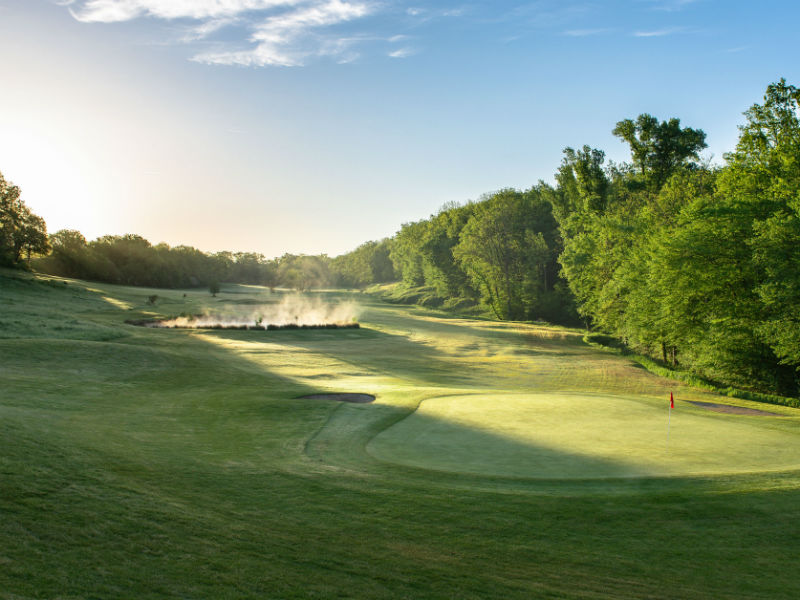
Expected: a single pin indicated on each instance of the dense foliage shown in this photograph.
(22, 233)
(132, 260)
(369, 263)
(695, 265)
(501, 250)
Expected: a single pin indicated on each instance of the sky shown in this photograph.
(312, 126)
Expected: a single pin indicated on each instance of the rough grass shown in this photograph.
(614, 345)
(400, 293)
(147, 463)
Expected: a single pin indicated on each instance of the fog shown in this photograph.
(291, 310)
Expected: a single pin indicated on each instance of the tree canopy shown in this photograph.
(696, 265)
(659, 149)
(22, 233)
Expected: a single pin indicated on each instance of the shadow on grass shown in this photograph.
(386, 439)
(366, 351)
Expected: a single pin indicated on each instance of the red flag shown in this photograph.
(671, 401)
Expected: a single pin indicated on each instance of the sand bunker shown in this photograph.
(734, 410)
(356, 398)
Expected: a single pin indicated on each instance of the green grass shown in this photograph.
(611, 344)
(585, 436)
(401, 293)
(499, 460)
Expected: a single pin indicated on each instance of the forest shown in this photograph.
(692, 263)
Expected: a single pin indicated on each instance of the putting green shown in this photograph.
(568, 436)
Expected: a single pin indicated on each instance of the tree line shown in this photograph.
(695, 264)
(133, 260)
(501, 251)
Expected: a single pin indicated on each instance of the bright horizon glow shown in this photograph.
(312, 126)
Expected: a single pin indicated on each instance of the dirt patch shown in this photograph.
(355, 398)
(734, 410)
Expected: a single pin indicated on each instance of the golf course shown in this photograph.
(498, 459)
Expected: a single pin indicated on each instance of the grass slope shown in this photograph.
(498, 460)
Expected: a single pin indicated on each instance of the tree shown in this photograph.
(69, 253)
(33, 236)
(763, 177)
(776, 248)
(583, 185)
(643, 322)
(710, 305)
(21, 231)
(766, 160)
(440, 268)
(369, 263)
(354, 269)
(406, 252)
(659, 149)
(507, 249)
(304, 271)
(380, 262)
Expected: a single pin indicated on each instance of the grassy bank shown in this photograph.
(400, 293)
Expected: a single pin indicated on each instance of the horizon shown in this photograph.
(254, 126)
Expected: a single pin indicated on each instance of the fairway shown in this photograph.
(496, 460)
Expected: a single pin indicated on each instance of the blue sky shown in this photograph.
(314, 125)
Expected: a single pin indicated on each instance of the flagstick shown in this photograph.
(669, 418)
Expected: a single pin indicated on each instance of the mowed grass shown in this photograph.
(499, 460)
(585, 436)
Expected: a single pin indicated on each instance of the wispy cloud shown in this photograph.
(206, 28)
(112, 11)
(659, 32)
(402, 53)
(291, 33)
(671, 5)
(585, 32)
(429, 14)
(281, 40)
(544, 14)
(278, 32)
(454, 12)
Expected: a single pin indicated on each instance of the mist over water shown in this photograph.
(291, 310)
